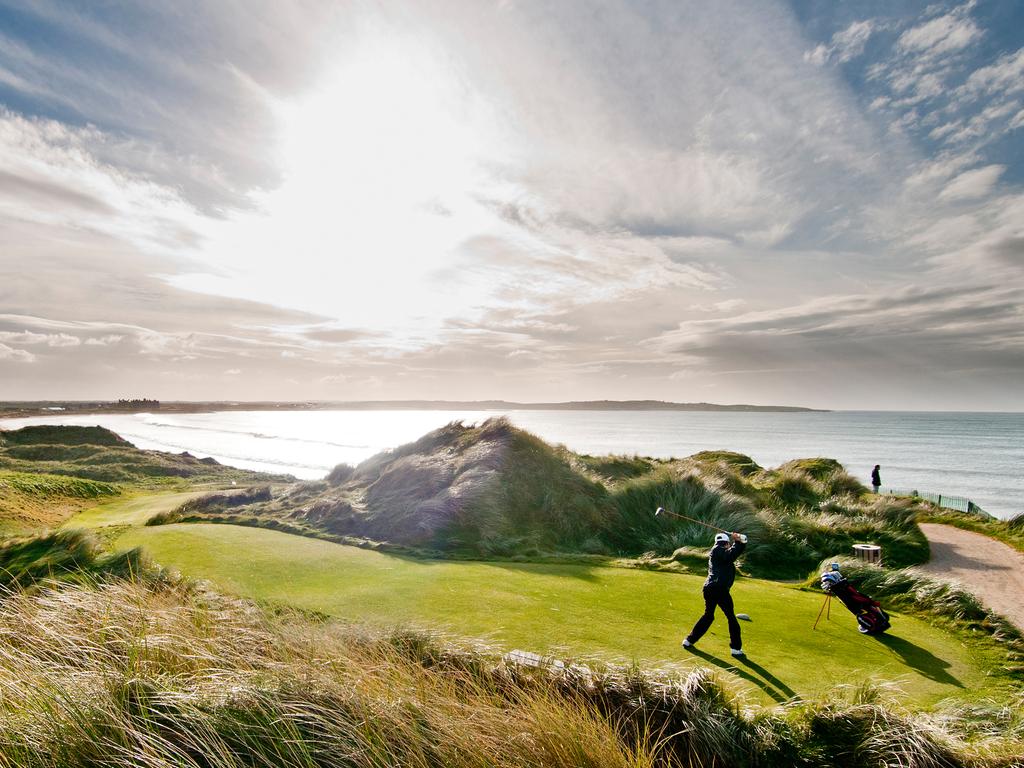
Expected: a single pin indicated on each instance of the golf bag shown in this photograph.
(871, 619)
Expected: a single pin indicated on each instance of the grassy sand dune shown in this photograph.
(29, 501)
(493, 490)
(95, 453)
(48, 473)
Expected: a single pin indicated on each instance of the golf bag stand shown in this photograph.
(871, 619)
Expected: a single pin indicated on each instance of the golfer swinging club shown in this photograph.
(721, 574)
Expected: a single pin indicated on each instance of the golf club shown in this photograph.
(662, 511)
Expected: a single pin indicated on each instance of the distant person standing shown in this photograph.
(721, 575)
(876, 478)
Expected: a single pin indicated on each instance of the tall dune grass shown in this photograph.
(43, 486)
(122, 675)
(130, 674)
(635, 527)
(493, 490)
(70, 555)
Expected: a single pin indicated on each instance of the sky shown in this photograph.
(808, 202)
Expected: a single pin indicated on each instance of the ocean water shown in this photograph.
(977, 455)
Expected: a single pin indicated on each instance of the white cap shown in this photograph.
(721, 537)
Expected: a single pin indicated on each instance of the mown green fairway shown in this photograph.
(582, 612)
(131, 510)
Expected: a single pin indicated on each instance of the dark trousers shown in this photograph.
(716, 597)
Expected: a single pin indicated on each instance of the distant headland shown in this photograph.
(22, 409)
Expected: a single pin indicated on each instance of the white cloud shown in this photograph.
(130, 341)
(1005, 76)
(819, 55)
(981, 124)
(925, 58)
(847, 44)
(972, 184)
(52, 178)
(474, 200)
(336, 378)
(49, 339)
(938, 170)
(16, 355)
(591, 192)
(945, 130)
(728, 305)
(988, 243)
(945, 34)
(923, 325)
(104, 341)
(935, 88)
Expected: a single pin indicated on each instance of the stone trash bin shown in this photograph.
(869, 553)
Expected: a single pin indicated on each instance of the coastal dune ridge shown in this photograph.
(973, 455)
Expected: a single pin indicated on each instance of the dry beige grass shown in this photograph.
(121, 674)
(127, 674)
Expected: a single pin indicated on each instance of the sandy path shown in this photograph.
(988, 568)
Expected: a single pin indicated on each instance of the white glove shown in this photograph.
(743, 538)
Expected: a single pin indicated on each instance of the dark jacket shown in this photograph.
(722, 564)
(875, 478)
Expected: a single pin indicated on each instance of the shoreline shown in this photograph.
(293, 439)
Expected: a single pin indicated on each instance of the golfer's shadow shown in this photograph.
(767, 682)
(921, 659)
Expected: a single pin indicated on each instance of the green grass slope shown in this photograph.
(131, 509)
(30, 501)
(495, 490)
(611, 614)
